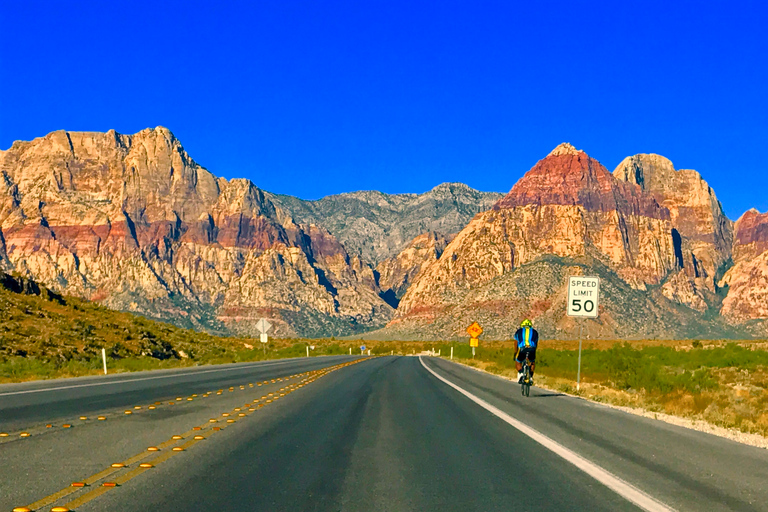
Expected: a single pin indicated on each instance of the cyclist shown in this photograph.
(527, 339)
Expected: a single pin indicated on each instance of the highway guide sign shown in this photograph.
(583, 296)
(263, 325)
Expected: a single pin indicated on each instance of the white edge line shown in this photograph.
(123, 381)
(616, 484)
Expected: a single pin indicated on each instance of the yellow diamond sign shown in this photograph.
(474, 330)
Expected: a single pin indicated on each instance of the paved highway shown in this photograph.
(329, 434)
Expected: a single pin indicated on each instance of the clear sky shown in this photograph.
(315, 98)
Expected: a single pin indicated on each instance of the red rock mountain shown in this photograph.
(398, 272)
(567, 215)
(134, 222)
(702, 233)
(747, 280)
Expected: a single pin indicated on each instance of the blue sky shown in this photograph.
(316, 98)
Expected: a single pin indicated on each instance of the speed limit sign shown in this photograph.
(583, 296)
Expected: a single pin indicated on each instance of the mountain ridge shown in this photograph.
(133, 222)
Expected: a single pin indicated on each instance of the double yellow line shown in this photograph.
(192, 437)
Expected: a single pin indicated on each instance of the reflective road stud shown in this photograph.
(116, 466)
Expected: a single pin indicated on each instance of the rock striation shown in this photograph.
(702, 234)
(134, 222)
(377, 226)
(567, 215)
(398, 272)
(747, 279)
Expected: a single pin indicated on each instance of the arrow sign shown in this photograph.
(263, 326)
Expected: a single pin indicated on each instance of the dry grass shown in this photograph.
(721, 383)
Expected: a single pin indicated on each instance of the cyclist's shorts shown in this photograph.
(523, 351)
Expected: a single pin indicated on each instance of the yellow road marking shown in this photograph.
(98, 491)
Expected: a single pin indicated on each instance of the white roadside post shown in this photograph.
(350, 350)
(104, 358)
(583, 300)
(307, 350)
(451, 353)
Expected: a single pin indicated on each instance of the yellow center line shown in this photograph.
(94, 493)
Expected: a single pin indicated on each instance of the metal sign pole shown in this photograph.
(578, 372)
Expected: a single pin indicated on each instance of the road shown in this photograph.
(353, 434)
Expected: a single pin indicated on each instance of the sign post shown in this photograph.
(583, 301)
(263, 326)
(474, 332)
(362, 350)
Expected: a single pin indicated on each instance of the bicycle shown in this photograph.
(527, 379)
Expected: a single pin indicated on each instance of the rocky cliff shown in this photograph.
(567, 215)
(398, 272)
(133, 222)
(378, 226)
(747, 280)
(702, 234)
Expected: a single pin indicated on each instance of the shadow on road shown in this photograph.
(547, 395)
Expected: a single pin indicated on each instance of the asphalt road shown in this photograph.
(360, 435)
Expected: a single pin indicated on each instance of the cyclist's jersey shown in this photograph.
(526, 338)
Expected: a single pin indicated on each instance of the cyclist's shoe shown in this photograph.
(520, 377)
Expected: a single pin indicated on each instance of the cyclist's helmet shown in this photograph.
(526, 323)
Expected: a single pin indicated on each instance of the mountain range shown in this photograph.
(134, 223)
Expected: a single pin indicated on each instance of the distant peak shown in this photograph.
(565, 148)
(451, 186)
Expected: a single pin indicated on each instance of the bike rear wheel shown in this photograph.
(526, 386)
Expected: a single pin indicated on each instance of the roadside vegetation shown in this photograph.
(44, 335)
(722, 383)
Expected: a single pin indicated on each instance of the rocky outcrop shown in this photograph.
(703, 235)
(398, 272)
(378, 226)
(132, 221)
(747, 280)
(568, 214)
